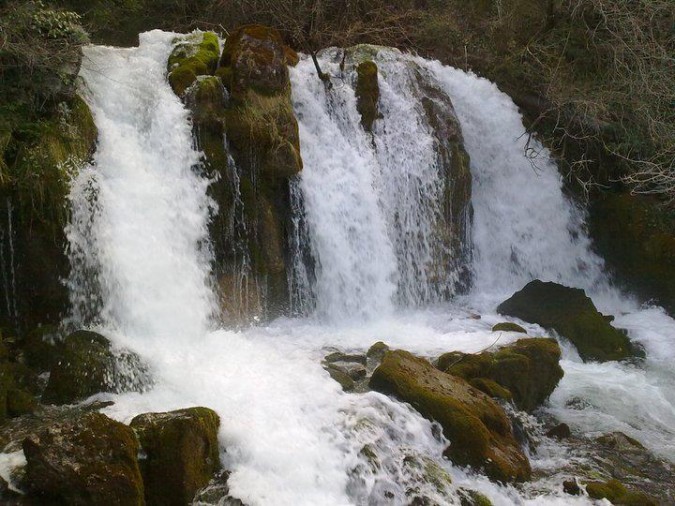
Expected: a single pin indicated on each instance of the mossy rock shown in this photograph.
(367, 94)
(473, 498)
(479, 431)
(196, 56)
(258, 59)
(181, 453)
(39, 347)
(346, 382)
(526, 371)
(636, 236)
(89, 459)
(508, 327)
(573, 315)
(617, 493)
(87, 365)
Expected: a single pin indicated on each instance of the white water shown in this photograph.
(288, 433)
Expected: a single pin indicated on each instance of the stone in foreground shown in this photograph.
(479, 431)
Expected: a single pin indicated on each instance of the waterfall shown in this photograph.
(369, 236)
(140, 211)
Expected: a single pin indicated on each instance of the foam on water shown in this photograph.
(288, 434)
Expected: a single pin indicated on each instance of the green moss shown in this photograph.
(192, 58)
(508, 327)
(473, 498)
(367, 94)
(491, 388)
(573, 315)
(617, 493)
(182, 453)
(20, 402)
(478, 429)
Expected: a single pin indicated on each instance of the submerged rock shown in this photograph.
(573, 315)
(87, 364)
(180, 453)
(528, 369)
(86, 460)
(479, 431)
(618, 494)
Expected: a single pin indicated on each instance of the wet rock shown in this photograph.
(367, 92)
(39, 347)
(560, 431)
(196, 56)
(571, 487)
(617, 493)
(573, 315)
(217, 493)
(87, 365)
(472, 498)
(478, 429)
(87, 460)
(377, 351)
(346, 382)
(181, 453)
(345, 357)
(508, 327)
(528, 369)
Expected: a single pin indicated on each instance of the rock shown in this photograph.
(528, 369)
(508, 327)
(573, 315)
(39, 347)
(571, 487)
(88, 365)
(181, 453)
(87, 460)
(196, 56)
(478, 429)
(617, 493)
(560, 431)
(636, 237)
(367, 92)
(345, 381)
(377, 351)
(472, 498)
(338, 356)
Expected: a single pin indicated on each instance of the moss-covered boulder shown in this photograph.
(479, 431)
(86, 460)
(636, 236)
(617, 493)
(180, 453)
(573, 315)
(367, 93)
(87, 364)
(528, 369)
(508, 327)
(195, 56)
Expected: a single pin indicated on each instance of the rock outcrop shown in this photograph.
(573, 315)
(89, 459)
(528, 369)
(87, 364)
(479, 431)
(180, 453)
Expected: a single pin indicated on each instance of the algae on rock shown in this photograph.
(479, 431)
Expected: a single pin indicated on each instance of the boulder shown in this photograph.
(196, 56)
(86, 460)
(573, 315)
(528, 369)
(87, 364)
(180, 453)
(508, 327)
(617, 493)
(479, 430)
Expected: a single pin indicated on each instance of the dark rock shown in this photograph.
(181, 453)
(39, 347)
(376, 352)
(88, 365)
(472, 498)
(571, 487)
(529, 369)
(573, 315)
(478, 429)
(345, 381)
(87, 460)
(345, 357)
(367, 94)
(508, 327)
(560, 431)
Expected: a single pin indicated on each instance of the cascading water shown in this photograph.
(289, 434)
